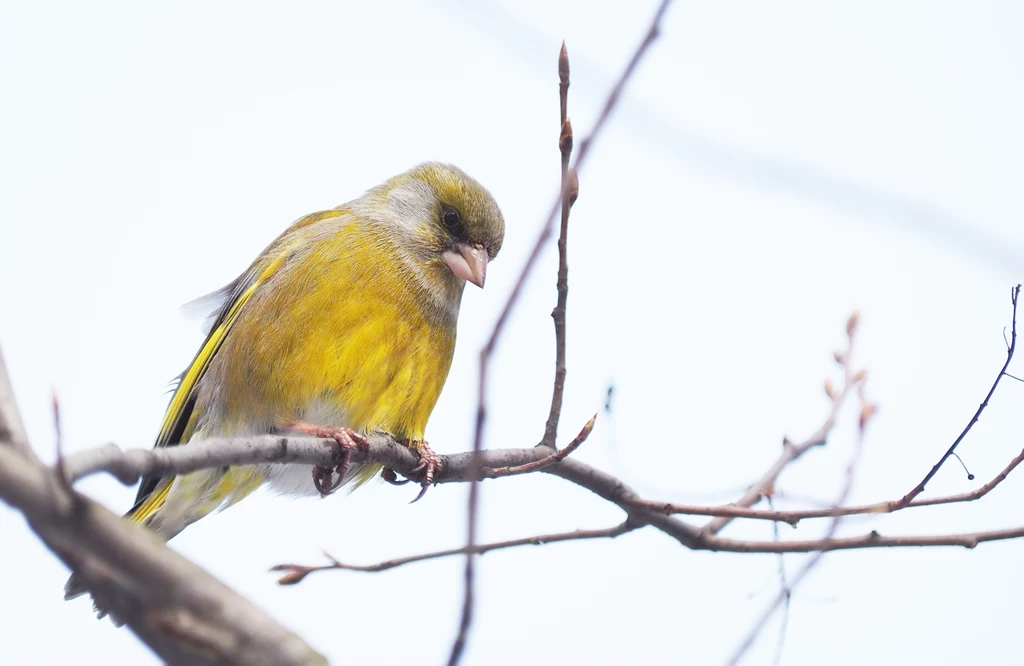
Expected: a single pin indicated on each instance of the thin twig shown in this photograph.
(297, 572)
(536, 465)
(784, 588)
(562, 285)
(870, 540)
(485, 354)
(795, 516)
(784, 595)
(792, 452)
(919, 488)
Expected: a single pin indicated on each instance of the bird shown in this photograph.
(345, 325)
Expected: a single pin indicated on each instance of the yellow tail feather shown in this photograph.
(143, 511)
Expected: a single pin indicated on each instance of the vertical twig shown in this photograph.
(612, 99)
(784, 589)
(569, 193)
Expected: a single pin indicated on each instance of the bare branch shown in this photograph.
(297, 572)
(183, 613)
(458, 468)
(792, 452)
(794, 517)
(870, 540)
(562, 285)
(919, 488)
(495, 472)
(785, 593)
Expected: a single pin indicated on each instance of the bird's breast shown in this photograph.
(350, 342)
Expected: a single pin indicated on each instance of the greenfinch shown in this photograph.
(343, 326)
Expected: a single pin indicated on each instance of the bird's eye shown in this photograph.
(452, 220)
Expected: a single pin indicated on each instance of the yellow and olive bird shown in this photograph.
(343, 326)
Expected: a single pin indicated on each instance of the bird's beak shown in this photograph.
(469, 262)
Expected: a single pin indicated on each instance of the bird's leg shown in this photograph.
(347, 438)
(428, 467)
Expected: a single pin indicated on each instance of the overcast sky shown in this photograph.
(771, 168)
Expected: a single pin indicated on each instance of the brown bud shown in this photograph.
(588, 427)
(866, 412)
(830, 390)
(565, 138)
(851, 323)
(293, 577)
(860, 375)
(563, 65)
(838, 356)
(574, 186)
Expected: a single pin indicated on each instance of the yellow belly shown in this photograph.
(354, 342)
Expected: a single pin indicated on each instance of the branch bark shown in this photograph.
(183, 613)
(459, 468)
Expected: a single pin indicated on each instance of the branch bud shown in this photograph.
(565, 138)
(851, 323)
(291, 578)
(866, 412)
(563, 65)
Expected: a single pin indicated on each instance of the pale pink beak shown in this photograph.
(469, 262)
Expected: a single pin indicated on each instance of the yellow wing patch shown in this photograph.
(179, 417)
(209, 348)
(176, 410)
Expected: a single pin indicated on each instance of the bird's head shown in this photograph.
(444, 218)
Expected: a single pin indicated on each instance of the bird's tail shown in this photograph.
(74, 588)
(144, 509)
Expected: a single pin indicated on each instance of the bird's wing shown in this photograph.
(179, 415)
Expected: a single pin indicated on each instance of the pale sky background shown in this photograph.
(772, 167)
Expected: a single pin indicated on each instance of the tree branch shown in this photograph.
(793, 452)
(569, 193)
(297, 572)
(537, 465)
(183, 613)
(867, 410)
(919, 488)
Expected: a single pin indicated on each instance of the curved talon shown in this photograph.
(346, 438)
(419, 496)
(389, 475)
(429, 465)
(323, 480)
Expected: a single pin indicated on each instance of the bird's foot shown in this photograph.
(428, 467)
(391, 477)
(348, 440)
